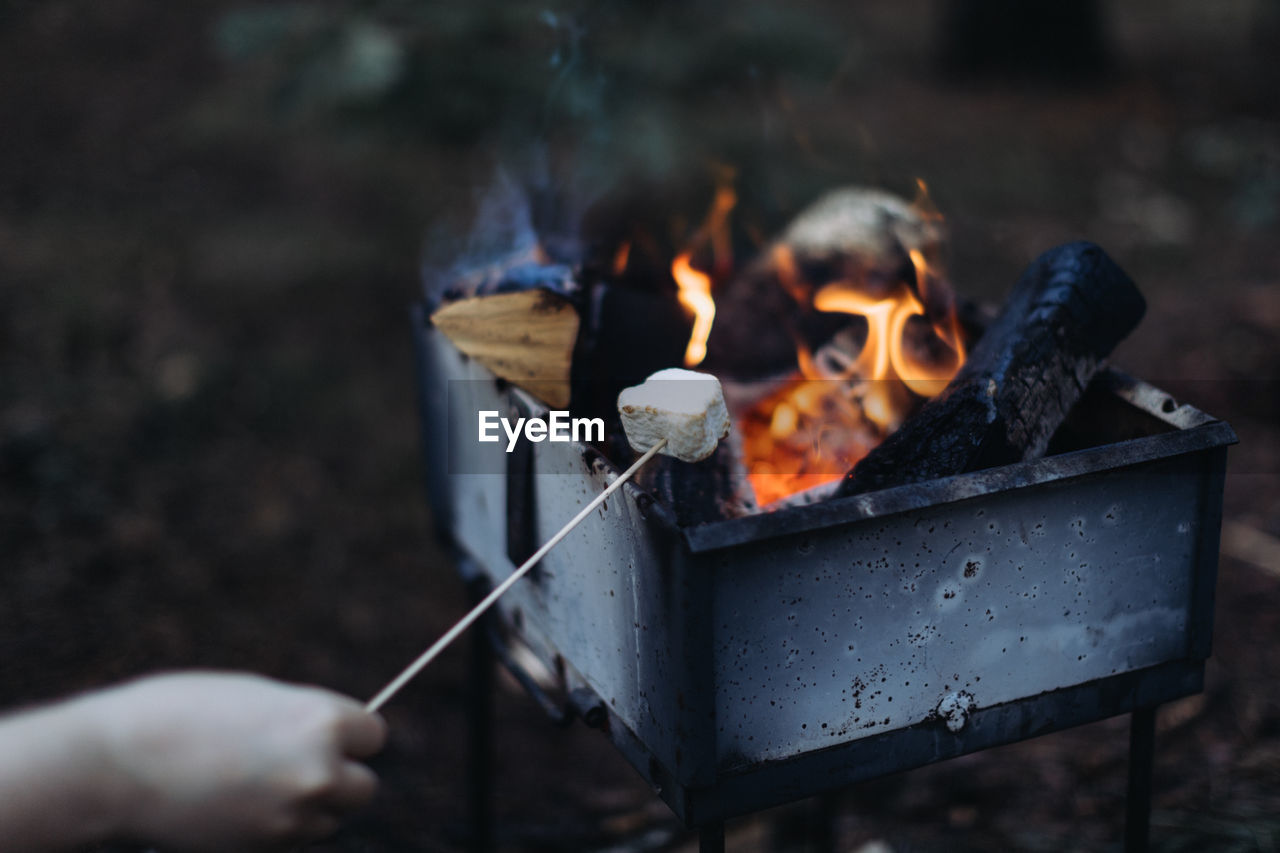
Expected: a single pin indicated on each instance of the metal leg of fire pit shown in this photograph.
(813, 821)
(480, 734)
(822, 823)
(1142, 736)
(711, 838)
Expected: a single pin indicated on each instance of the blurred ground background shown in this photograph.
(212, 217)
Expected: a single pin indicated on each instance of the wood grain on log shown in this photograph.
(526, 337)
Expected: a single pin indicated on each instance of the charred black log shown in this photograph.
(628, 334)
(1065, 315)
(699, 492)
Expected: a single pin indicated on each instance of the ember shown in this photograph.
(846, 397)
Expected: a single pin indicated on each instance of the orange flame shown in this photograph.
(622, 257)
(924, 378)
(882, 357)
(923, 203)
(694, 286)
(717, 227)
(695, 294)
(784, 261)
(841, 405)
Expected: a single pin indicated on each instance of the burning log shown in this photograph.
(1066, 313)
(629, 334)
(860, 236)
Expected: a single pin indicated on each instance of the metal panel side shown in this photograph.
(843, 633)
(774, 783)
(433, 413)
(1213, 472)
(991, 481)
(467, 478)
(613, 600)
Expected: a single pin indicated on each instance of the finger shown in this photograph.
(361, 734)
(353, 789)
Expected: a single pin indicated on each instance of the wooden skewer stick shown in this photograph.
(463, 624)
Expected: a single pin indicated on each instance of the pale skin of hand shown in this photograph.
(187, 762)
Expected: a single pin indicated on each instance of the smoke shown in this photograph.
(544, 178)
(642, 101)
(500, 233)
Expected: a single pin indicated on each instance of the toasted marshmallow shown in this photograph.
(683, 406)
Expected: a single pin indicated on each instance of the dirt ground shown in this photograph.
(212, 217)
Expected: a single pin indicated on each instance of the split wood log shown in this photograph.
(523, 325)
(1065, 315)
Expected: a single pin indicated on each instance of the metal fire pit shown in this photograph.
(747, 663)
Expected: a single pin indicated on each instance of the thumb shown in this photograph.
(361, 733)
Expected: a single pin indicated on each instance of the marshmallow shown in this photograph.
(683, 406)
